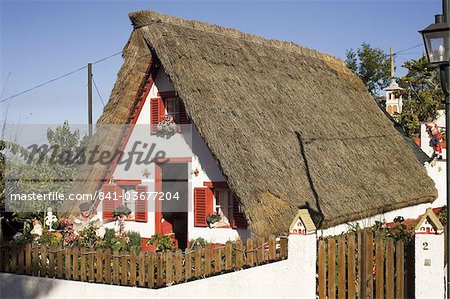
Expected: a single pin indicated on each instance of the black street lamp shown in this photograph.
(436, 38)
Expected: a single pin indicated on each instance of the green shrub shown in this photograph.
(134, 243)
(88, 237)
(162, 243)
(51, 239)
(197, 242)
(109, 237)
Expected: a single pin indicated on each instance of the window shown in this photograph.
(173, 109)
(223, 205)
(218, 198)
(128, 198)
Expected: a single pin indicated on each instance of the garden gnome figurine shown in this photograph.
(86, 217)
(37, 229)
(50, 219)
(435, 140)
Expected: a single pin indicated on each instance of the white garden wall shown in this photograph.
(294, 277)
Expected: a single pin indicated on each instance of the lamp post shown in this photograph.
(436, 38)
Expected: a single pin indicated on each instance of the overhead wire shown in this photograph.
(106, 58)
(98, 92)
(57, 78)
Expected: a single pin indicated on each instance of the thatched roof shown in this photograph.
(288, 126)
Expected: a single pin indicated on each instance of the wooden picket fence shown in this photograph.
(361, 265)
(146, 269)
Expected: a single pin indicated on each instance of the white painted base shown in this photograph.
(429, 266)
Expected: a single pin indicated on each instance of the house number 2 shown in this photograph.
(425, 245)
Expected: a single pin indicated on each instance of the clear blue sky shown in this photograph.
(41, 40)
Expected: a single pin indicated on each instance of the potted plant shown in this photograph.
(213, 219)
(167, 127)
(121, 211)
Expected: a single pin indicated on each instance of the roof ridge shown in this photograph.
(145, 18)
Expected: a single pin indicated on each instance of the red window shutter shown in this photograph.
(112, 198)
(141, 204)
(203, 205)
(183, 115)
(239, 220)
(156, 113)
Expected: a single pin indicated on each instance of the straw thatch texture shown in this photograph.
(288, 126)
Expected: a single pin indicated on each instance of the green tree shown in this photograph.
(422, 94)
(43, 172)
(372, 65)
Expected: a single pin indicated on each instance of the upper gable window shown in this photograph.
(167, 108)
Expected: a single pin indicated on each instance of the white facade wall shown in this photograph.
(186, 146)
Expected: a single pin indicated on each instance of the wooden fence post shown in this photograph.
(179, 265)
(36, 261)
(76, 257)
(6, 258)
(151, 269)
(379, 257)
(13, 254)
(351, 279)
(83, 264)
(239, 254)
(208, 258)
(132, 268)
(43, 261)
(259, 251)
(141, 269)
(91, 258)
(28, 254)
(99, 265)
(218, 259)
(160, 269)
(198, 261)
(188, 264)
(342, 287)
(68, 264)
(51, 262)
(361, 263)
(322, 264)
(331, 268)
(390, 268)
(116, 267)
(369, 264)
(228, 256)
(60, 263)
(108, 269)
(283, 247)
(399, 265)
(169, 267)
(272, 248)
(250, 253)
(20, 259)
(124, 268)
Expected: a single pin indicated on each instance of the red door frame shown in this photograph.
(158, 188)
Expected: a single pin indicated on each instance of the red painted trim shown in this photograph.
(128, 182)
(158, 203)
(167, 94)
(122, 142)
(173, 160)
(215, 184)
